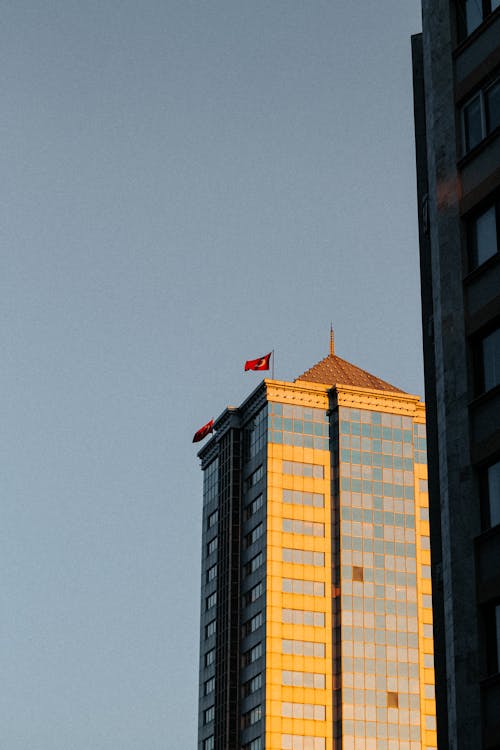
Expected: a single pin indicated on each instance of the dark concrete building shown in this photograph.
(456, 62)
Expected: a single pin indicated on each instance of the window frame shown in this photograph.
(209, 658)
(211, 573)
(255, 563)
(252, 508)
(209, 686)
(252, 654)
(252, 717)
(211, 600)
(253, 624)
(484, 488)
(252, 685)
(486, 11)
(479, 378)
(212, 545)
(485, 129)
(471, 232)
(251, 596)
(465, 148)
(254, 535)
(210, 629)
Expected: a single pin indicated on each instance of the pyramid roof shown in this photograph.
(333, 370)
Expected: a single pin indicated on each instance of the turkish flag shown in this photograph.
(262, 363)
(203, 431)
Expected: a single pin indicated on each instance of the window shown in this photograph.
(301, 426)
(251, 686)
(430, 723)
(211, 600)
(480, 116)
(255, 477)
(254, 563)
(472, 123)
(253, 624)
(253, 594)
(212, 519)
(482, 234)
(303, 557)
(303, 648)
(427, 601)
(303, 711)
(211, 573)
(428, 633)
(300, 586)
(212, 545)
(252, 717)
(314, 499)
(357, 573)
(209, 686)
(298, 469)
(252, 655)
(255, 744)
(254, 506)
(471, 14)
(392, 699)
(210, 657)
(308, 528)
(303, 679)
(208, 744)
(488, 361)
(490, 481)
(428, 661)
(253, 535)
(210, 482)
(429, 692)
(298, 742)
(492, 106)
(209, 715)
(303, 617)
(210, 629)
(254, 434)
(424, 514)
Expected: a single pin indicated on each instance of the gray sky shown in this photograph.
(185, 185)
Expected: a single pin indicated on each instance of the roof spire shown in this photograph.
(332, 341)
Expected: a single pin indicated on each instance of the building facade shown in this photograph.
(456, 64)
(316, 610)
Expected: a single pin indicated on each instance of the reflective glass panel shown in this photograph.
(490, 353)
(484, 236)
(492, 106)
(493, 488)
(473, 126)
(473, 15)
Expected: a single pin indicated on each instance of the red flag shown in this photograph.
(262, 363)
(203, 431)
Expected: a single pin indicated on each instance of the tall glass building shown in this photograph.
(316, 610)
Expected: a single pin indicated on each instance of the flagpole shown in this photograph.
(273, 365)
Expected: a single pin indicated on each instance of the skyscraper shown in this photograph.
(316, 611)
(456, 64)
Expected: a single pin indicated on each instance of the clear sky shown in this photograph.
(185, 185)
